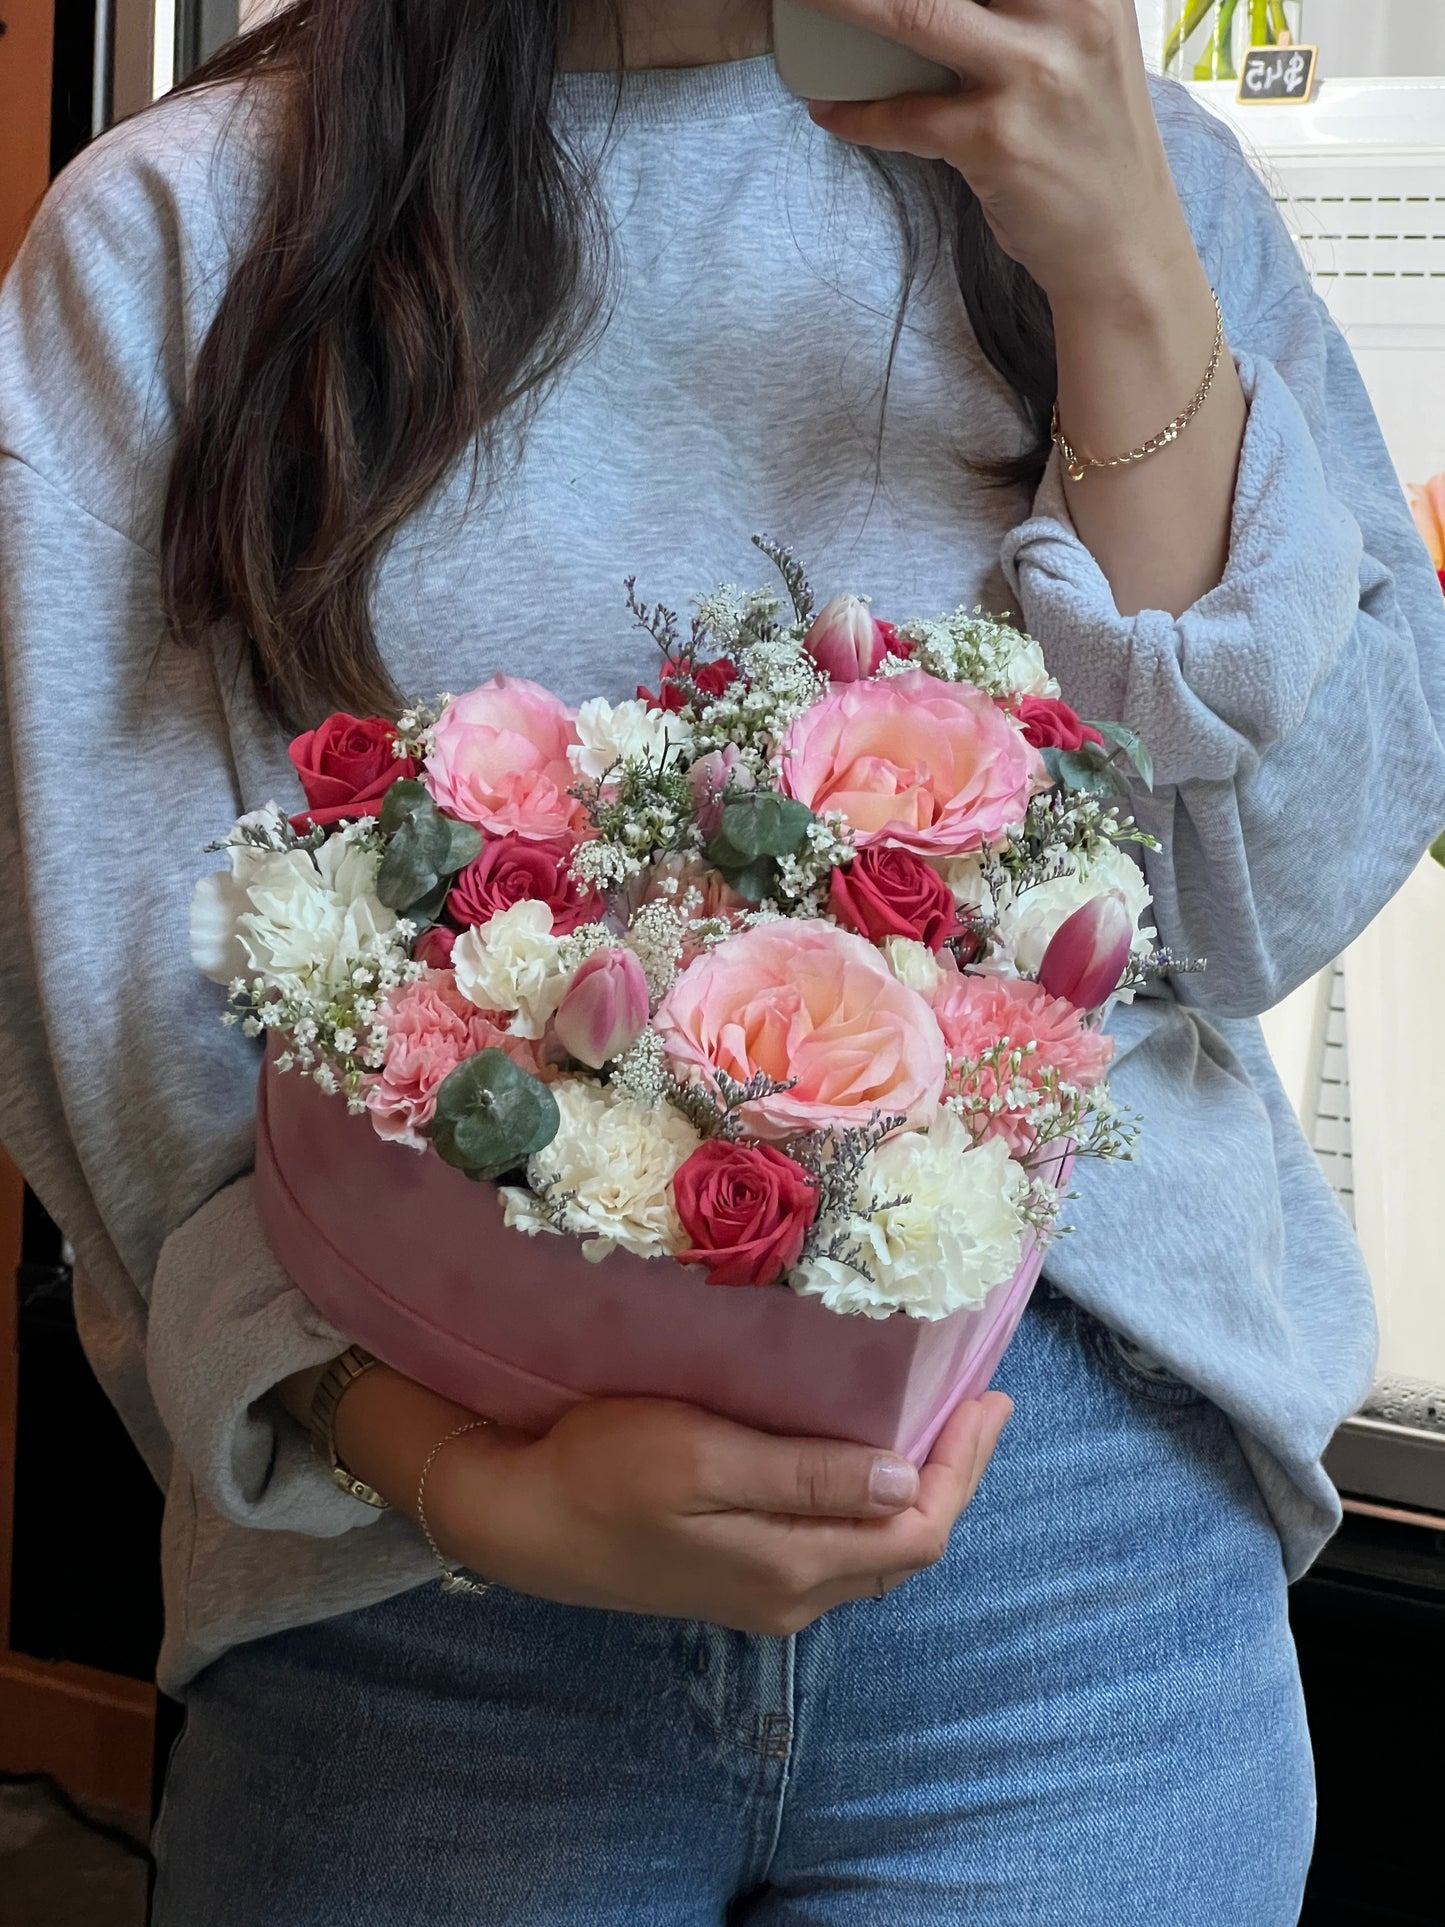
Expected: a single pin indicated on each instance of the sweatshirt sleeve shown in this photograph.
(126, 1104)
(1295, 712)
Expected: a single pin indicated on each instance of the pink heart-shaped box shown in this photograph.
(412, 1260)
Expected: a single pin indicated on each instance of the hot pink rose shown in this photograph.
(746, 1209)
(346, 766)
(512, 870)
(887, 893)
(1051, 724)
(805, 1002)
(499, 760)
(431, 1028)
(930, 766)
(976, 1013)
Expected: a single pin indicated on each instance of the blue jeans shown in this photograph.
(1089, 1715)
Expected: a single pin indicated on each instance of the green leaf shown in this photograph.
(1437, 848)
(757, 881)
(1125, 740)
(1088, 774)
(464, 844)
(402, 801)
(426, 849)
(763, 823)
(491, 1116)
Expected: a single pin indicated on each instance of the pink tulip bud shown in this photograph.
(605, 1009)
(434, 947)
(845, 640)
(1087, 953)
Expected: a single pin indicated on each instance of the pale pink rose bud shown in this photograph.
(1087, 953)
(845, 641)
(720, 770)
(605, 1009)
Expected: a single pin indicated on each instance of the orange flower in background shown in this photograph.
(1428, 502)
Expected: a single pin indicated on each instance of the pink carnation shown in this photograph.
(976, 1013)
(431, 1028)
(930, 766)
(499, 760)
(804, 1002)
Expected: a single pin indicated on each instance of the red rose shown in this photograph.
(1050, 724)
(893, 893)
(895, 644)
(512, 870)
(711, 678)
(346, 767)
(746, 1208)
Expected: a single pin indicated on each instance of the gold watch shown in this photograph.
(340, 1373)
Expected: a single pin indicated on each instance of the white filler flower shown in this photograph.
(951, 1228)
(1027, 922)
(610, 1167)
(513, 962)
(302, 922)
(613, 733)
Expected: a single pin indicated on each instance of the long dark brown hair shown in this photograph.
(427, 256)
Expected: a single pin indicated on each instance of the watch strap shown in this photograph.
(325, 1398)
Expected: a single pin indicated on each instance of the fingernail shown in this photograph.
(892, 1482)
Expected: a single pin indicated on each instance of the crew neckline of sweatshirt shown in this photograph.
(676, 96)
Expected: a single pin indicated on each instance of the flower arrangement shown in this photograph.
(790, 970)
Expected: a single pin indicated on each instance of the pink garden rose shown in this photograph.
(975, 1013)
(804, 1001)
(431, 1028)
(499, 760)
(929, 766)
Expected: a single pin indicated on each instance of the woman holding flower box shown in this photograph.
(246, 357)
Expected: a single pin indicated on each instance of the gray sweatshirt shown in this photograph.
(1293, 715)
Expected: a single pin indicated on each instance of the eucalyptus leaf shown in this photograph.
(402, 801)
(426, 849)
(1087, 774)
(1125, 740)
(763, 823)
(491, 1116)
(1437, 848)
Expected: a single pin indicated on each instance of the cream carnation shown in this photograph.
(613, 733)
(956, 1230)
(514, 963)
(1026, 922)
(611, 1167)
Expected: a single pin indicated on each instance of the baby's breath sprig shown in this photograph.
(971, 646)
(414, 728)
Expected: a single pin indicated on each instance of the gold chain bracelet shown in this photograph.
(1078, 464)
(453, 1578)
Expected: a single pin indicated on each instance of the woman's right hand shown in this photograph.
(654, 1506)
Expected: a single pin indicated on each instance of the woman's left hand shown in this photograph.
(1052, 127)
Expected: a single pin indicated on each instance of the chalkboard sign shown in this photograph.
(1278, 75)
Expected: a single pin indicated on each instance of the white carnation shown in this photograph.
(303, 921)
(613, 733)
(1027, 922)
(513, 962)
(611, 1167)
(956, 1231)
